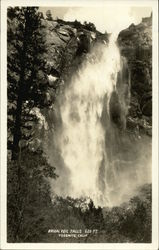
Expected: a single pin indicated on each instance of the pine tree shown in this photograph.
(28, 187)
(49, 15)
(27, 79)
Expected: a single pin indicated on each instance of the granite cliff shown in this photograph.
(135, 44)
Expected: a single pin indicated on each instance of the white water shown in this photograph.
(82, 141)
(91, 155)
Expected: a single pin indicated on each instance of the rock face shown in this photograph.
(67, 43)
(135, 44)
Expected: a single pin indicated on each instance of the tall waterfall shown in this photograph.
(82, 138)
(93, 155)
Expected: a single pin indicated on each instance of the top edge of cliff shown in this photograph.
(75, 26)
(66, 40)
(139, 35)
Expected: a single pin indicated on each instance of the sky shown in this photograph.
(110, 19)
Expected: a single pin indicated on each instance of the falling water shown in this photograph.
(93, 153)
(82, 140)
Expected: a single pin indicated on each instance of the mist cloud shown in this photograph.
(111, 19)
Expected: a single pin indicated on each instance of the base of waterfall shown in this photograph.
(79, 221)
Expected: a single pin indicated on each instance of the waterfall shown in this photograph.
(93, 151)
(82, 136)
(94, 155)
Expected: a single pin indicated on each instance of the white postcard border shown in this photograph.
(4, 245)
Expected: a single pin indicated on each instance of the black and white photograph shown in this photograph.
(79, 147)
